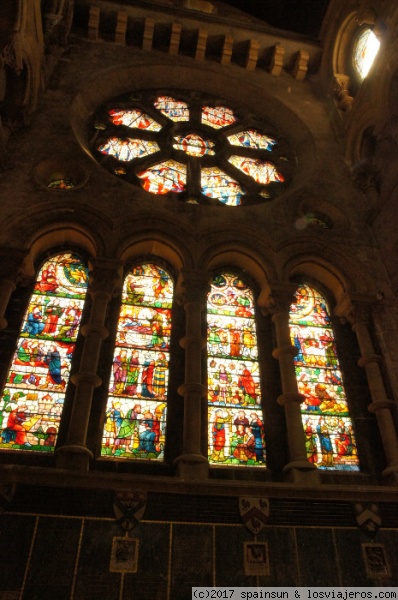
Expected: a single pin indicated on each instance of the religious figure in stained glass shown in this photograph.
(261, 172)
(193, 145)
(217, 184)
(236, 423)
(135, 119)
(168, 176)
(251, 138)
(127, 149)
(217, 116)
(32, 401)
(328, 430)
(135, 419)
(176, 110)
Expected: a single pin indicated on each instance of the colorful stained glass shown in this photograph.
(32, 401)
(236, 427)
(127, 149)
(328, 430)
(261, 172)
(135, 119)
(135, 425)
(61, 184)
(167, 176)
(251, 138)
(217, 184)
(193, 144)
(217, 116)
(365, 51)
(176, 110)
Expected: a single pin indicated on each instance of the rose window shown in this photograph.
(191, 147)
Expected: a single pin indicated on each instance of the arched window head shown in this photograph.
(328, 430)
(32, 402)
(236, 422)
(366, 48)
(135, 422)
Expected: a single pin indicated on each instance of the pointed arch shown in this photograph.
(235, 416)
(135, 422)
(328, 430)
(32, 402)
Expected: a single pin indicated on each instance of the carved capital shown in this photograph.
(355, 308)
(277, 298)
(105, 277)
(341, 92)
(193, 286)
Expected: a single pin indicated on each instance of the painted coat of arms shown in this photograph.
(254, 512)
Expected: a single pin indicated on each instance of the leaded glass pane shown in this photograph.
(193, 144)
(217, 184)
(251, 139)
(328, 430)
(366, 49)
(217, 116)
(176, 110)
(135, 119)
(135, 425)
(168, 176)
(127, 149)
(261, 172)
(236, 428)
(32, 402)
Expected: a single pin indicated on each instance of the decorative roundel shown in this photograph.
(365, 51)
(192, 147)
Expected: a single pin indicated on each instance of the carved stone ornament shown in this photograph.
(367, 515)
(129, 508)
(254, 513)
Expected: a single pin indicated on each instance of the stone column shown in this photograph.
(192, 464)
(358, 312)
(11, 262)
(103, 281)
(279, 297)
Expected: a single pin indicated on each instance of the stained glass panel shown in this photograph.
(126, 149)
(236, 428)
(261, 172)
(217, 184)
(168, 176)
(328, 430)
(366, 49)
(135, 119)
(217, 116)
(251, 138)
(193, 144)
(135, 425)
(61, 184)
(176, 110)
(32, 401)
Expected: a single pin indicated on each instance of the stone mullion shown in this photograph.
(75, 454)
(299, 469)
(192, 464)
(358, 314)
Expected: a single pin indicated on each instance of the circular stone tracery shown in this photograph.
(196, 148)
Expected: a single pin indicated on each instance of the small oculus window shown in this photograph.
(365, 51)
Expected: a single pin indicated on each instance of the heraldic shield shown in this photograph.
(129, 508)
(367, 515)
(254, 512)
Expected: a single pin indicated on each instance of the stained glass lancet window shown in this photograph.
(328, 430)
(135, 422)
(236, 423)
(32, 401)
